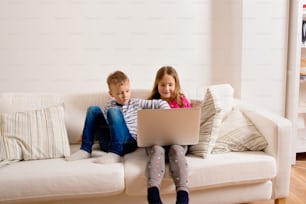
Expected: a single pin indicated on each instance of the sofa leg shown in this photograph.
(280, 201)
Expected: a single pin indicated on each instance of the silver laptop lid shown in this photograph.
(168, 126)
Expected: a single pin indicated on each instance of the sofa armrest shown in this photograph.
(278, 132)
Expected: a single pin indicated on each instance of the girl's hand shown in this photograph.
(195, 103)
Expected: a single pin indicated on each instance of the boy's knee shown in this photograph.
(113, 112)
(93, 109)
(115, 115)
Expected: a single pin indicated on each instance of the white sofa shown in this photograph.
(234, 177)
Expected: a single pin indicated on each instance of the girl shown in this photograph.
(167, 87)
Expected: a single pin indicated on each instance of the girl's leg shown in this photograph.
(155, 172)
(179, 171)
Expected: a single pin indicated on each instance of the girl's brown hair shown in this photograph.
(177, 92)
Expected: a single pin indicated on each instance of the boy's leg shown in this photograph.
(93, 122)
(121, 141)
(95, 125)
(121, 137)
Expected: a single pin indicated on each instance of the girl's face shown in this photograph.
(166, 87)
(121, 92)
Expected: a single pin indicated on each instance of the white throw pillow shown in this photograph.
(37, 134)
(225, 95)
(211, 117)
(238, 133)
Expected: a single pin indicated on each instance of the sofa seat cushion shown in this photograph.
(233, 168)
(57, 178)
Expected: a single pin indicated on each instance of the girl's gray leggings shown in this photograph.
(177, 164)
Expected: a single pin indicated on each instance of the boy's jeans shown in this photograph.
(113, 134)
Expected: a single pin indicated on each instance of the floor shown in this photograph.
(298, 181)
(297, 193)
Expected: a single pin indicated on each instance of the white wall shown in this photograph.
(264, 53)
(227, 42)
(72, 45)
(253, 56)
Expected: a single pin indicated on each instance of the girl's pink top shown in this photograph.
(174, 104)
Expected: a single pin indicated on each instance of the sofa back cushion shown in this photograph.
(18, 102)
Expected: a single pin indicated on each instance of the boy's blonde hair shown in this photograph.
(117, 78)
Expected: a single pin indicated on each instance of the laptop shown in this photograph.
(168, 126)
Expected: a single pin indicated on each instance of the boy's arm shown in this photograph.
(163, 104)
(108, 105)
(154, 104)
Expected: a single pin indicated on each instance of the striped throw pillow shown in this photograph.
(211, 117)
(238, 133)
(37, 134)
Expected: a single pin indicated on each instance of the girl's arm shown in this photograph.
(185, 102)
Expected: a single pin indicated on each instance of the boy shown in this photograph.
(116, 128)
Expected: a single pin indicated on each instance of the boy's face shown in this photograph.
(120, 92)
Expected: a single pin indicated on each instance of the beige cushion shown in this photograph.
(238, 133)
(37, 134)
(211, 117)
(51, 179)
